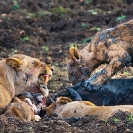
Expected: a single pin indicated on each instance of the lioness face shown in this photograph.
(27, 71)
(77, 73)
(76, 68)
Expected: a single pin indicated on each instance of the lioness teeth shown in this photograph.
(43, 79)
(46, 78)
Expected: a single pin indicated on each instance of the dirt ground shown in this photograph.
(46, 29)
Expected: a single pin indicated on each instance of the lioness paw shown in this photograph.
(37, 117)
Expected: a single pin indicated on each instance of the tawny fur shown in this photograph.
(112, 47)
(22, 110)
(19, 74)
(82, 108)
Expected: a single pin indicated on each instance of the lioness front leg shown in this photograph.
(117, 63)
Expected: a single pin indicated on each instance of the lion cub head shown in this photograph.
(64, 106)
(22, 108)
(52, 108)
(26, 71)
(76, 68)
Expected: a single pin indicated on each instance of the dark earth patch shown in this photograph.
(46, 30)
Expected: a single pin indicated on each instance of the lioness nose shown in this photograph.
(43, 86)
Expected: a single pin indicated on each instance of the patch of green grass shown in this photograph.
(34, 14)
(30, 128)
(95, 29)
(60, 10)
(86, 40)
(72, 45)
(26, 38)
(46, 48)
(83, 24)
(15, 5)
(60, 51)
(93, 12)
(116, 120)
(43, 13)
(14, 51)
(1, 52)
(88, 1)
(119, 18)
(6, 19)
(130, 118)
(128, 73)
(104, 120)
(132, 71)
(120, 1)
(31, 14)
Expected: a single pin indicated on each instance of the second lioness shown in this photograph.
(112, 47)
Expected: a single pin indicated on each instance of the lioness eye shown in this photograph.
(16, 65)
(52, 69)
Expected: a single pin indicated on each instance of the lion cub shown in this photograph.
(65, 107)
(22, 108)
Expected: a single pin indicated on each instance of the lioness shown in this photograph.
(18, 74)
(65, 107)
(112, 47)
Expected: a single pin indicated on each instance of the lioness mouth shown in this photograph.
(44, 78)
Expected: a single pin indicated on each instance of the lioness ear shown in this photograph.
(74, 54)
(36, 62)
(63, 100)
(14, 62)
